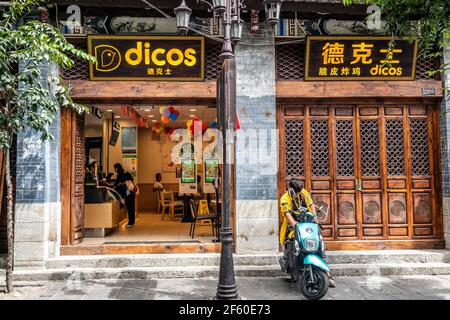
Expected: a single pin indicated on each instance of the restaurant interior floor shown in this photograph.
(149, 228)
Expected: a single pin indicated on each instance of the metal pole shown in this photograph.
(226, 288)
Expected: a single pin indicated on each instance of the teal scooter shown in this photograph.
(304, 257)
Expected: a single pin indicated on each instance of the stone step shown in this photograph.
(338, 270)
(166, 260)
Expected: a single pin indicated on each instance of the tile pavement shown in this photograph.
(349, 288)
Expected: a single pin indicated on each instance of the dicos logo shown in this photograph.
(108, 58)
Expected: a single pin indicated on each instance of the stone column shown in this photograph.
(38, 206)
(256, 144)
(444, 119)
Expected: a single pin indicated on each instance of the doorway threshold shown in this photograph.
(141, 248)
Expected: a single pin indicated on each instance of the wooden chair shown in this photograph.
(160, 200)
(168, 202)
(196, 217)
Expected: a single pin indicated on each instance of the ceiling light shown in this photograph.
(153, 120)
(147, 110)
(151, 116)
(109, 110)
(192, 109)
(192, 115)
(117, 117)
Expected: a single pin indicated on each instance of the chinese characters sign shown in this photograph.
(148, 58)
(359, 58)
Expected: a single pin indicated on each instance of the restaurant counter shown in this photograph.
(103, 211)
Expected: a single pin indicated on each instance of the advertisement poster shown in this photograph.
(188, 171)
(211, 170)
(130, 164)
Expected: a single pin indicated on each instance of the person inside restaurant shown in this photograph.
(121, 187)
(158, 186)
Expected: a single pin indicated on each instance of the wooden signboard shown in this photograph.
(148, 58)
(343, 58)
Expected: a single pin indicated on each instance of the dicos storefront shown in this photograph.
(369, 147)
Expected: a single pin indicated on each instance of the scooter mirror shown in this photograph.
(291, 192)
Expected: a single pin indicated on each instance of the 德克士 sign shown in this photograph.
(147, 58)
(343, 58)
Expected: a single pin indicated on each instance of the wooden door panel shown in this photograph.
(422, 208)
(323, 201)
(343, 184)
(346, 205)
(372, 208)
(77, 179)
(397, 207)
(369, 166)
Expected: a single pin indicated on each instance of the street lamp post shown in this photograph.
(230, 12)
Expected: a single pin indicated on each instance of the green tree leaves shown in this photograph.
(27, 100)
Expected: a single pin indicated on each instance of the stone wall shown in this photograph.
(444, 119)
(256, 143)
(38, 206)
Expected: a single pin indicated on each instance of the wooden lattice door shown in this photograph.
(72, 176)
(370, 168)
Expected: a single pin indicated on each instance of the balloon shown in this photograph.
(173, 117)
(161, 109)
(171, 109)
(166, 113)
(165, 119)
(177, 112)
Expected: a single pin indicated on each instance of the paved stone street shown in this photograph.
(349, 288)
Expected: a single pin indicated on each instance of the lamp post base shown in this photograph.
(225, 292)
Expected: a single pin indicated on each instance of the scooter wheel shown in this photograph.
(314, 290)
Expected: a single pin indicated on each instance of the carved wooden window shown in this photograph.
(395, 149)
(293, 136)
(344, 148)
(420, 162)
(370, 149)
(319, 148)
(289, 61)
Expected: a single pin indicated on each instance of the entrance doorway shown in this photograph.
(164, 216)
(373, 169)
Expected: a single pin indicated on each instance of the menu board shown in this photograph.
(188, 171)
(129, 140)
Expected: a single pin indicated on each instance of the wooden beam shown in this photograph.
(357, 89)
(119, 91)
(123, 91)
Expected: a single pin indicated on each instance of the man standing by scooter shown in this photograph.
(290, 204)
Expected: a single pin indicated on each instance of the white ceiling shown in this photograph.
(152, 115)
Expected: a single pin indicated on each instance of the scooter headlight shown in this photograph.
(310, 245)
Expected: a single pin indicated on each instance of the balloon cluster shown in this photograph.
(214, 124)
(168, 114)
(157, 128)
(195, 122)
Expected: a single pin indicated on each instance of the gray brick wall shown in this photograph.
(37, 177)
(444, 126)
(256, 146)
